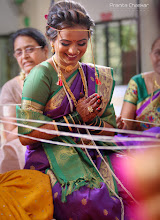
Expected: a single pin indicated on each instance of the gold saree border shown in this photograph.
(31, 105)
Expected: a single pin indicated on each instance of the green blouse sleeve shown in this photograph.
(131, 94)
(37, 86)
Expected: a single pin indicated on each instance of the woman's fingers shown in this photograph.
(95, 105)
(89, 107)
(120, 122)
(88, 99)
(93, 98)
(92, 103)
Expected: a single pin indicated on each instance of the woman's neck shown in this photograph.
(65, 70)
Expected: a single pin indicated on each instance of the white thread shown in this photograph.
(95, 137)
(83, 146)
(88, 127)
(143, 122)
(126, 119)
(10, 104)
(84, 79)
(122, 206)
(69, 99)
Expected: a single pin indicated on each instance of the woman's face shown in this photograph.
(70, 45)
(155, 57)
(27, 60)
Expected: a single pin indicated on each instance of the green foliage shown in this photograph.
(129, 38)
(26, 21)
(18, 2)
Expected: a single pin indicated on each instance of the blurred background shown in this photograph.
(123, 35)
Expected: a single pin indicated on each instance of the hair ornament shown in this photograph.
(46, 16)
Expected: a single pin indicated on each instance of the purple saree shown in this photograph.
(86, 202)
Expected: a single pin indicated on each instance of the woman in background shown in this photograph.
(24, 194)
(142, 97)
(30, 48)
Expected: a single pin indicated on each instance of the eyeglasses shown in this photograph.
(27, 50)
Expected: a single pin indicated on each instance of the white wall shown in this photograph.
(96, 7)
(35, 10)
(9, 20)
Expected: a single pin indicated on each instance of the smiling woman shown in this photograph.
(62, 89)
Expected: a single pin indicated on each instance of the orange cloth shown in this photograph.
(25, 195)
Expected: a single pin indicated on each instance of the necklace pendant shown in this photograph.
(69, 68)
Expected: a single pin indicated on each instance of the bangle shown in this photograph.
(98, 122)
(73, 118)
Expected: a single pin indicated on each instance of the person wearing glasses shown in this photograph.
(30, 48)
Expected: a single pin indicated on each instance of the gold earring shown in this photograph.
(52, 50)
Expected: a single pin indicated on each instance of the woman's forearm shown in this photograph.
(73, 118)
(38, 134)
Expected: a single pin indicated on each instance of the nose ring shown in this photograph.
(78, 52)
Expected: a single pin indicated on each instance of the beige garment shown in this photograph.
(12, 154)
(11, 92)
(10, 96)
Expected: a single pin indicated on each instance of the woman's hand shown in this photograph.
(88, 108)
(120, 123)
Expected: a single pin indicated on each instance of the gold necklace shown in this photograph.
(68, 68)
(156, 85)
(22, 75)
(61, 76)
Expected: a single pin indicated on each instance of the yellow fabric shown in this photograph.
(25, 195)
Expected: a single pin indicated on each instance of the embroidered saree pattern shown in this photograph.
(31, 105)
(131, 92)
(148, 105)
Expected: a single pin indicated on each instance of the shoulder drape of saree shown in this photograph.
(106, 90)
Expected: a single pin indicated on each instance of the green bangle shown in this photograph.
(73, 118)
